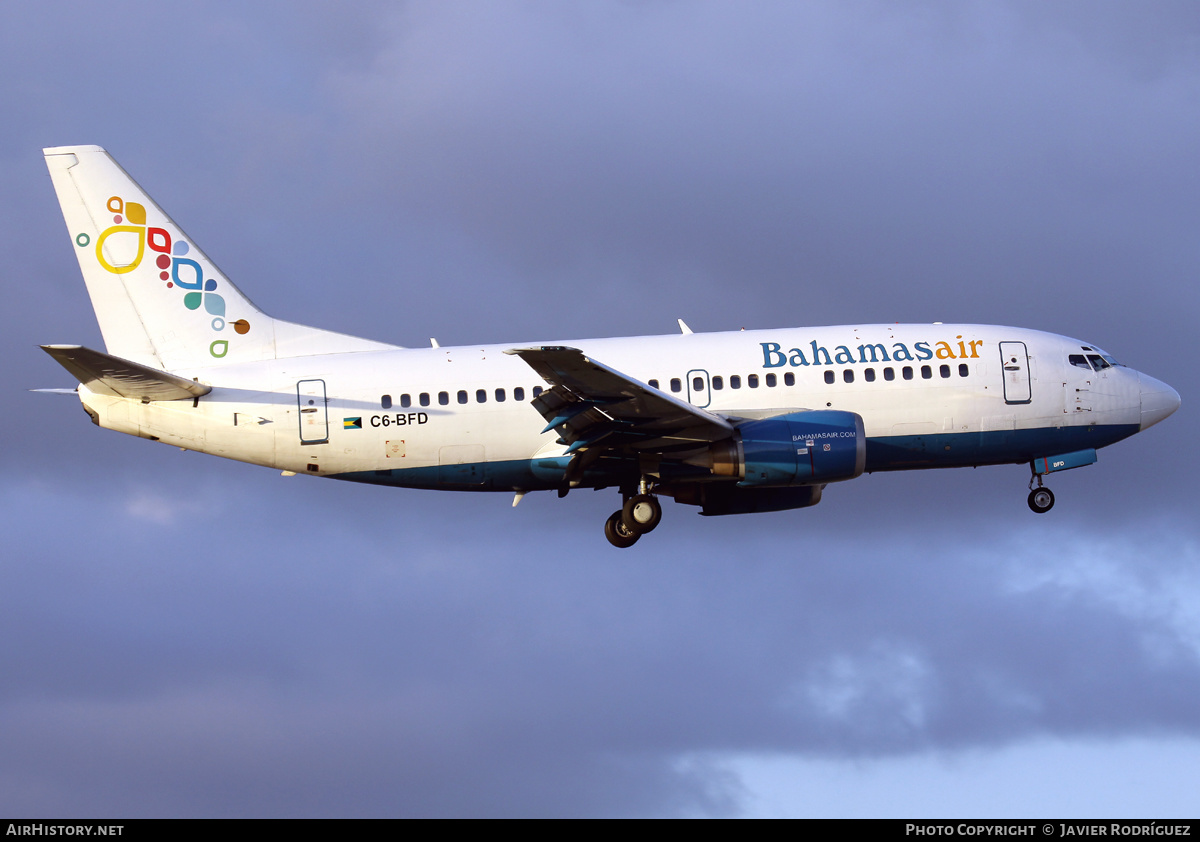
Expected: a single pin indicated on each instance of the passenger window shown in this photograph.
(537, 390)
(926, 372)
(944, 371)
(500, 396)
(386, 401)
(771, 381)
(718, 383)
(735, 381)
(444, 398)
(406, 400)
(1079, 361)
(676, 384)
(518, 394)
(424, 399)
(462, 396)
(481, 396)
(697, 384)
(829, 377)
(963, 369)
(653, 384)
(789, 379)
(848, 375)
(889, 374)
(752, 381)
(869, 375)
(907, 372)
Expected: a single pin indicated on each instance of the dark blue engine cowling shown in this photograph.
(802, 448)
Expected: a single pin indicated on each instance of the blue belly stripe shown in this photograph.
(884, 453)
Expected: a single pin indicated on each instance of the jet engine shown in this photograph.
(799, 448)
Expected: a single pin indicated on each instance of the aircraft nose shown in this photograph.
(1158, 400)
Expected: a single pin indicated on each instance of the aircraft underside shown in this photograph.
(641, 511)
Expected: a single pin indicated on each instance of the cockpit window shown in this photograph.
(1100, 360)
(1079, 361)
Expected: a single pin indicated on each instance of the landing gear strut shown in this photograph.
(640, 514)
(1041, 499)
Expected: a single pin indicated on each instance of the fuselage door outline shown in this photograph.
(314, 412)
(1014, 362)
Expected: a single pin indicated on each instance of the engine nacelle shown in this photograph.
(800, 448)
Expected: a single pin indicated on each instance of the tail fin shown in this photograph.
(158, 298)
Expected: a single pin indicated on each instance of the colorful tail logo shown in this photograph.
(129, 237)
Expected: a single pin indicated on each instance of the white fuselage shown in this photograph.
(459, 417)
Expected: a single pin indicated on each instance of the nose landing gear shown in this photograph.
(1041, 499)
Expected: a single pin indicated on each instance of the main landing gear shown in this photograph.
(640, 514)
(618, 532)
(1041, 499)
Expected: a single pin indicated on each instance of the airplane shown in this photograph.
(731, 422)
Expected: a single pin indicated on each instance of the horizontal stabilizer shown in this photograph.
(109, 375)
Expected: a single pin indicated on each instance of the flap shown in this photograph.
(591, 404)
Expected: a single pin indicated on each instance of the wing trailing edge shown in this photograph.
(592, 405)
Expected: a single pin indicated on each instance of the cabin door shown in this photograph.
(1014, 360)
(314, 412)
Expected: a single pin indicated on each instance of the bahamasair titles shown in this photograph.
(733, 423)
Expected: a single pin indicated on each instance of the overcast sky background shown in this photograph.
(182, 636)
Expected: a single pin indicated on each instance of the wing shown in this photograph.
(595, 407)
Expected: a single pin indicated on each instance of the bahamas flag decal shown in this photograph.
(352, 423)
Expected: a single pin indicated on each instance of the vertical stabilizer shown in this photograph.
(160, 301)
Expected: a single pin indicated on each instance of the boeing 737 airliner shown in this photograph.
(749, 421)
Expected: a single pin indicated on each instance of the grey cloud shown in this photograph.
(411, 669)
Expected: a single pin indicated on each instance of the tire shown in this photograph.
(617, 533)
(641, 513)
(1041, 500)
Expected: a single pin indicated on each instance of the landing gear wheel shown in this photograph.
(618, 533)
(641, 513)
(1041, 500)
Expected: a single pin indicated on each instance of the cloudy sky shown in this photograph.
(187, 637)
